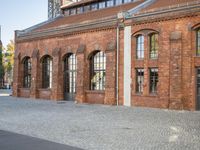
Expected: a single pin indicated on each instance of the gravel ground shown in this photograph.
(101, 127)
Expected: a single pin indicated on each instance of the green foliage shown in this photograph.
(8, 57)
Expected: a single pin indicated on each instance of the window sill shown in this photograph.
(153, 58)
(95, 91)
(24, 88)
(153, 94)
(43, 89)
(138, 94)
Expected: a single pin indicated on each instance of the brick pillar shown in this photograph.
(175, 71)
(17, 75)
(110, 87)
(56, 90)
(80, 88)
(34, 74)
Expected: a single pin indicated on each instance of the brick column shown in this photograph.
(175, 71)
(17, 75)
(34, 74)
(110, 87)
(80, 88)
(56, 90)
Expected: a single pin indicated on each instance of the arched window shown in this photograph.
(198, 42)
(47, 72)
(140, 47)
(27, 73)
(70, 73)
(97, 71)
(154, 46)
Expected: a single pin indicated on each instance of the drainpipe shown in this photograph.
(117, 68)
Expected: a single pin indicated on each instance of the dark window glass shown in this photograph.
(47, 72)
(110, 3)
(98, 71)
(140, 47)
(79, 10)
(154, 46)
(73, 11)
(86, 8)
(27, 73)
(118, 2)
(94, 6)
(139, 80)
(102, 5)
(153, 80)
(198, 42)
(67, 13)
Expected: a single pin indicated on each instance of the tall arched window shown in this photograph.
(97, 71)
(154, 46)
(70, 73)
(27, 73)
(47, 72)
(198, 42)
(140, 47)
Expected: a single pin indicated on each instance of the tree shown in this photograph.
(1, 66)
(8, 62)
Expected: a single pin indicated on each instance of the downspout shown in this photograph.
(117, 68)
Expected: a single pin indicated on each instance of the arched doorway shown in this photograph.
(70, 77)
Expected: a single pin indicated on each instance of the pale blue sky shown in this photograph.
(20, 14)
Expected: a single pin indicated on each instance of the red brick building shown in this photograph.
(133, 53)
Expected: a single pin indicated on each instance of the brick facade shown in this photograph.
(176, 62)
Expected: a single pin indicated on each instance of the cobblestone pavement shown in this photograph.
(99, 127)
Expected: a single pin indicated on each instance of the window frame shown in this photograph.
(139, 87)
(140, 44)
(153, 50)
(27, 73)
(110, 3)
(102, 5)
(70, 69)
(97, 60)
(198, 42)
(47, 72)
(153, 80)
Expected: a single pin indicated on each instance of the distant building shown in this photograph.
(54, 7)
(126, 52)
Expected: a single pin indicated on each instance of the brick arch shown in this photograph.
(146, 31)
(66, 55)
(24, 58)
(43, 56)
(196, 26)
(93, 53)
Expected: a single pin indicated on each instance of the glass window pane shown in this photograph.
(94, 6)
(118, 2)
(97, 71)
(102, 5)
(110, 3)
(140, 47)
(153, 80)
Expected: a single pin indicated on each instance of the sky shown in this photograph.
(19, 15)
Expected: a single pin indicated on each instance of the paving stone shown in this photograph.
(101, 127)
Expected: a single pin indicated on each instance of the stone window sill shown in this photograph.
(95, 91)
(24, 88)
(44, 89)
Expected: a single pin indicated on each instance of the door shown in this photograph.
(70, 77)
(198, 90)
